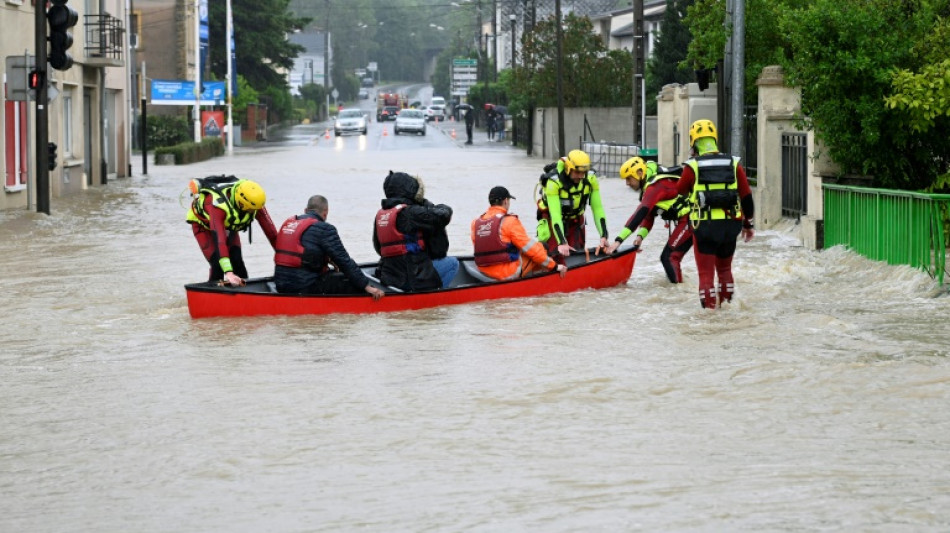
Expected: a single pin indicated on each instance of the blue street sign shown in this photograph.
(182, 92)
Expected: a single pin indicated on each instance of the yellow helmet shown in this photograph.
(249, 196)
(577, 160)
(631, 166)
(702, 128)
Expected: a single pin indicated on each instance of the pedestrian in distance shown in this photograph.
(566, 188)
(469, 124)
(503, 249)
(409, 235)
(721, 208)
(222, 207)
(658, 197)
(490, 121)
(500, 125)
(310, 257)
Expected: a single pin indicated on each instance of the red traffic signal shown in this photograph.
(36, 79)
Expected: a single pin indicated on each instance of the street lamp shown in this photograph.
(362, 27)
(514, 19)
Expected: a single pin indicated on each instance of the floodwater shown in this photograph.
(817, 401)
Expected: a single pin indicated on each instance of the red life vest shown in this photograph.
(489, 248)
(392, 242)
(289, 252)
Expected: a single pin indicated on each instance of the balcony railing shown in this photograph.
(104, 41)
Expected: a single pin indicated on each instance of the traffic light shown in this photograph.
(60, 18)
(51, 158)
(36, 79)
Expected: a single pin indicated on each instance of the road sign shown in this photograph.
(17, 69)
(464, 75)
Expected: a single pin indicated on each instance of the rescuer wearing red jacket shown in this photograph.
(658, 197)
(503, 249)
(721, 208)
(222, 207)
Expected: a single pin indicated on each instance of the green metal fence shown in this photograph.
(899, 227)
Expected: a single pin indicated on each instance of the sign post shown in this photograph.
(464, 75)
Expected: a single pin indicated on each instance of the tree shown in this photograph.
(261, 46)
(852, 51)
(765, 44)
(593, 76)
(667, 64)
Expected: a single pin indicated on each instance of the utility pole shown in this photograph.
(494, 36)
(197, 113)
(638, 68)
(326, 59)
(42, 114)
(560, 78)
(738, 78)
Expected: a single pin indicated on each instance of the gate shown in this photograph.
(750, 157)
(794, 169)
(606, 158)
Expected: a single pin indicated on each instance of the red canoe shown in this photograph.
(258, 297)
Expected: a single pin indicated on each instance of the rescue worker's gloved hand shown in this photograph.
(233, 279)
(564, 249)
(562, 270)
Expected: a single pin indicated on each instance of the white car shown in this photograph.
(428, 112)
(438, 107)
(350, 121)
(413, 120)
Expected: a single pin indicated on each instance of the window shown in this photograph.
(67, 147)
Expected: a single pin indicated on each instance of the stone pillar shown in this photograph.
(779, 108)
(667, 124)
(677, 107)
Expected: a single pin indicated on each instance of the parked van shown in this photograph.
(438, 106)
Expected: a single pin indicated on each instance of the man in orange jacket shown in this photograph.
(503, 249)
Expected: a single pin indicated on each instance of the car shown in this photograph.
(364, 94)
(389, 112)
(428, 112)
(438, 106)
(410, 120)
(350, 121)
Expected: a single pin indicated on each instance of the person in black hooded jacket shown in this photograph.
(409, 235)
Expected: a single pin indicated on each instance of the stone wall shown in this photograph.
(607, 124)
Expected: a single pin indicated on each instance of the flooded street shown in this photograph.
(817, 401)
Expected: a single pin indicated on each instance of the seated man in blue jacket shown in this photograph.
(307, 245)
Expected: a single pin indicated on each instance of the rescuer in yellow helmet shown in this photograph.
(567, 187)
(721, 208)
(223, 206)
(658, 197)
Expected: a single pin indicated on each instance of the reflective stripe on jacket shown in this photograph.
(220, 197)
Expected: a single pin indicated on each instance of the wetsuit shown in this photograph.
(721, 203)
